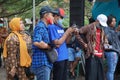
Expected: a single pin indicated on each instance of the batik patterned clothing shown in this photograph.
(13, 55)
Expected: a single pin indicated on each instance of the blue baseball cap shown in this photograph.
(46, 9)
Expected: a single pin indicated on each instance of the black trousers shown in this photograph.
(60, 70)
(1, 50)
(117, 71)
(94, 68)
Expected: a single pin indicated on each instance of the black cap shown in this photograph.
(46, 9)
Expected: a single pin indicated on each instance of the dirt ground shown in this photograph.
(2, 74)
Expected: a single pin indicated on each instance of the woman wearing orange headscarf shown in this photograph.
(16, 48)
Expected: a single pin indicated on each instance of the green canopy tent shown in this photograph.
(107, 7)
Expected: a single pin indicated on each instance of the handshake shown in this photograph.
(72, 30)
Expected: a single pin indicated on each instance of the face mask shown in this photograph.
(59, 22)
(99, 26)
(49, 21)
(1, 25)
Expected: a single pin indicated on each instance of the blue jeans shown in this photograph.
(72, 54)
(42, 73)
(112, 58)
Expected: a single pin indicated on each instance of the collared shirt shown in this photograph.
(90, 36)
(39, 57)
(56, 32)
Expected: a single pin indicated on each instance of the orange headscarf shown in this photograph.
(25, 59)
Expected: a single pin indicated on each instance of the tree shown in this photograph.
(13, 7)
(88, 13)
(23, 8)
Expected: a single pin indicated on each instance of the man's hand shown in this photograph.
(85, 46)
(76, 31)
(70, 30)
(106, 46)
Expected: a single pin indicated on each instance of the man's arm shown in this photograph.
(60, 41)
(69, 38)
(42, 45)
(82, 30)
(37, 38)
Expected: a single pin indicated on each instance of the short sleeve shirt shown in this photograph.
(39, 57)
(56, 32)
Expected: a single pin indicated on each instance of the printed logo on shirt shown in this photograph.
(60, 31)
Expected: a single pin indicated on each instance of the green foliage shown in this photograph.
(62, 4)
(86, 21)
(88, 14)
(23, 8)
(66, 23)
(13, 7)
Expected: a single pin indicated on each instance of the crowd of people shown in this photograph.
(25, 57)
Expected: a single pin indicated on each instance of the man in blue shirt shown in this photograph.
(41, 66)
(58, 37)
